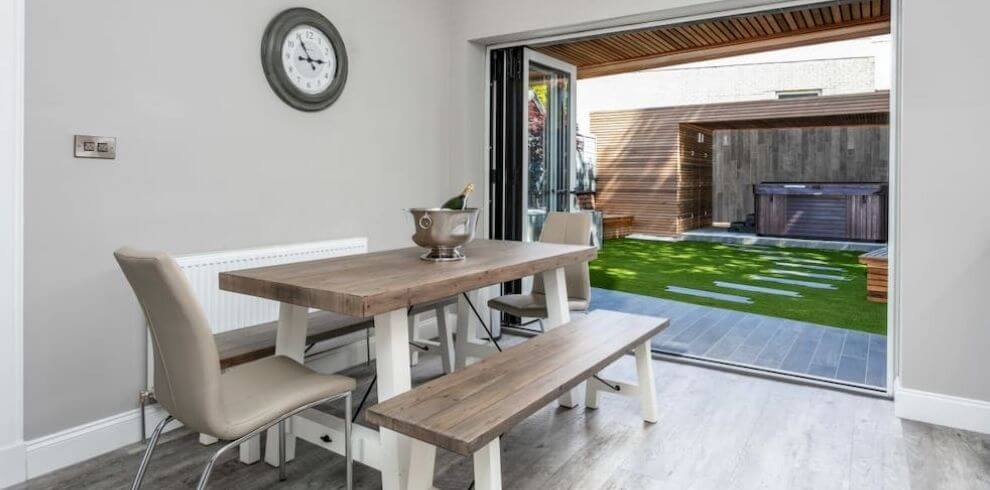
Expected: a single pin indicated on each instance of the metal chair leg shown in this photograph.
(347, 442)
(281, 450)
(148, 451)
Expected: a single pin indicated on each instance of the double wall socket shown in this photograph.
(95, 147)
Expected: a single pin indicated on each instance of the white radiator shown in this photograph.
(229, 311)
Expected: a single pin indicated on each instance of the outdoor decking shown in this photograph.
(765, 342)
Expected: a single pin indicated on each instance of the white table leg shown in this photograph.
(413, 351)
(394, 377)
(647, 390)
(558, 313)
(488, 467)
(467, 328)
(290, 341)
(446, 338)
(421, 464)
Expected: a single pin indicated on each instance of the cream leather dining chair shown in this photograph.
(564, 228)
(233, 405)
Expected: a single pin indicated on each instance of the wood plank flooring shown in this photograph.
(760, 341)
(716, 430)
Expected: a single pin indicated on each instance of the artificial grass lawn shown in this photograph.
(648, 267)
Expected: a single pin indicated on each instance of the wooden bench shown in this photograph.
(876, 274)
(466, 411)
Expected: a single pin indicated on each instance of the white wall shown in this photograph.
(12, 467)
(945, 217)
(209, 158)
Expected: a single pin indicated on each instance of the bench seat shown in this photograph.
(466, 411)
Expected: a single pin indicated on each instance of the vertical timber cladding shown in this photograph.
(644, 171)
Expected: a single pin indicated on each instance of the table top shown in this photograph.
(368, 284)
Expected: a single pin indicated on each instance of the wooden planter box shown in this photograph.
(841, 211)
(617, 226)
(876, 275)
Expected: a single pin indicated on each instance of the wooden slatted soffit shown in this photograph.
(717, 38)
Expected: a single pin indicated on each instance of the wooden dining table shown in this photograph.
(384, 285)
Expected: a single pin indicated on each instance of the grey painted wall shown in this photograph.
(945, 338)
(744, 157)
(209, 159)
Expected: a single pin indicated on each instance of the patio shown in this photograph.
(759, 341)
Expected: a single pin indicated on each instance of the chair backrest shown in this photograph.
(187, 366)
(570, 229)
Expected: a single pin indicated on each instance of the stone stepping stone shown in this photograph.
(758, 289)
(810, 274)
(793, 282)
(795, 259)
(709, 294)
(810, 266)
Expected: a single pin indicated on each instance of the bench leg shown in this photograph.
(207, 440)
(290, 341)
(647, 390)
(488, 467)
(446, 340)
(558, 313)
(590, 394)
(250, 450)
(421, 464)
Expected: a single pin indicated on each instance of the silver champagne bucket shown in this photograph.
(444, 231)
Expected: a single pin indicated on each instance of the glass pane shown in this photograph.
(549, 132)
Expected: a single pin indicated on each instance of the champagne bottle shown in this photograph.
(459, 201)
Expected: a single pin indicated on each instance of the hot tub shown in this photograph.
(823, 211)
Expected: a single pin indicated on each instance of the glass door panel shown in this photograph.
(549, 156)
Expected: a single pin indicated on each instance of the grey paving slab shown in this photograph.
(793, 282)
(826, 359)
(757, 289)
(758, 340)
(714, 333)
(694, 330)
(812, 275)
(732, 298)
(734, 338)
(811, 266)
(799, 357)
(876, 361)
(682, 323)
(778, 346)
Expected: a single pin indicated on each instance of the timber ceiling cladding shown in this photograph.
(727, 36)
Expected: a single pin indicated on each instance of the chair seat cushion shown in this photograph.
(260, 391)
(533, 305)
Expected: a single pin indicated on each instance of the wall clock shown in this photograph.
(304, 59)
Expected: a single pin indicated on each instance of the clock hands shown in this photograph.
(309, 59)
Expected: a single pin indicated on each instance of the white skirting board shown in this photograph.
(12, 464)
(939, 409)
(77, 444)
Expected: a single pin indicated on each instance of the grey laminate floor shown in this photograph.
(766, 342)
(716, 430)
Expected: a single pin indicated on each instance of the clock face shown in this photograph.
(304, 59)
(308, 59)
